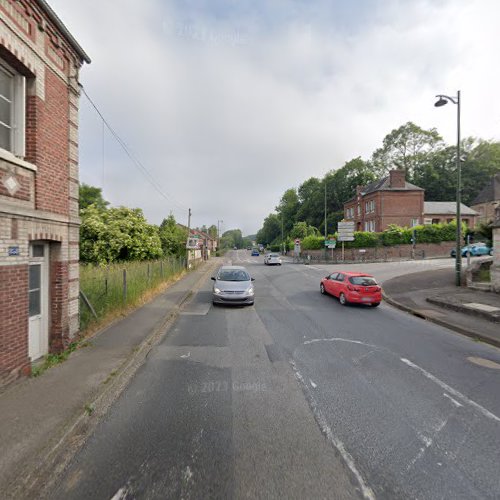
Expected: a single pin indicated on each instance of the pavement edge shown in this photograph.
(44, 470)
(451, 326)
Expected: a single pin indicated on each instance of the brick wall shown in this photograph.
(52, 148)
(397, 252)
(59, 320)
(13, 322)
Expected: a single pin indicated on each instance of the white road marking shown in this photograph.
(327, 431)
(337, 339)
(449, 389)
(186, 355)
(313, 385)
(454, 401)
(120, 494)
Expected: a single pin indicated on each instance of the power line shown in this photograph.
(132, 157)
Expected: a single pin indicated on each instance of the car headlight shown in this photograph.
(250, 291)
(217, 291)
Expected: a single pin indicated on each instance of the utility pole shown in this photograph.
(282, 238)
(325, 220)
(188, 251)
(218, 234)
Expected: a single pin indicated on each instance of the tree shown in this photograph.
(212, 231)
(90, 195)
(232, 238)
(287, 209)
(173, 238)
(270, 231)
(405, 148)
(311, 200)
(302, 229)
(117, 234)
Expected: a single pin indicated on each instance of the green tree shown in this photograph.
(90, 195)
(405, 148)
(173, 238)
(232, 238)
(311, 200)
(287, 209)
(270, 231)
(212, 231)
(117, 234)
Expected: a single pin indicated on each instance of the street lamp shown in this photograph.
(442, 100)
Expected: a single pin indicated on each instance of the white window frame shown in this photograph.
(414, 222)
(18, 111)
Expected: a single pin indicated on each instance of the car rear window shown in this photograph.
(362, 280)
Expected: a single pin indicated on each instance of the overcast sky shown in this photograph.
(229, 103)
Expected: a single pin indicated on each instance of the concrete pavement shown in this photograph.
(433, 295)
(45, 419)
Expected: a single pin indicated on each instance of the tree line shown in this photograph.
(427, 160)
(113, 234)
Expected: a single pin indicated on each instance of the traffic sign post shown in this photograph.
(345, 231)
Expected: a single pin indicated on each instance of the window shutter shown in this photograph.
(19, 125)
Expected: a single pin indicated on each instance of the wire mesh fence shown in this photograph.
(110, 289)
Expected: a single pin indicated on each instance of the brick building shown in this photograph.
(391, 200)
(487, 200)
(444, 212)
(39, 223)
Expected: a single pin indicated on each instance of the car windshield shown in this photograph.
(362, 280)
(273, 255)
(233, 275)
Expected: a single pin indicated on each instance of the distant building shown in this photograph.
(486, 201)
(443, 212)
(391, 200)
(39, 222)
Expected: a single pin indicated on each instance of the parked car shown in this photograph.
(272, 259)
(474, 249)
(255, 252)
(233, 285)
(249, 248)
(352, 287)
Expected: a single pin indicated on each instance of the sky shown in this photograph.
(228, 103)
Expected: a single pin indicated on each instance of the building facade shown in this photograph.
(444, 212)
(391, 200)
(39, 224)
(487, 201)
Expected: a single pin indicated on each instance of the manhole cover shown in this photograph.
(486, 363)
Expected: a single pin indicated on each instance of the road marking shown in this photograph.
(449, 389)
(454, 401)
(339, 445)
(312, 341)
(313, 385)
(186, 355)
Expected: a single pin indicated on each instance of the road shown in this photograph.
(300, 397)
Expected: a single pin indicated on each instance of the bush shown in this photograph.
(313, 243)
(364, 240)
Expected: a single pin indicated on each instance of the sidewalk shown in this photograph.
(432, 295)
(45, 419)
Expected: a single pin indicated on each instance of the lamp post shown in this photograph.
(442, 100)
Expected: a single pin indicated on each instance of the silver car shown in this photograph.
(233, 285)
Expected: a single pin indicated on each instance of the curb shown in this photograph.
(455, 328)
(53, 460)
(490, 316)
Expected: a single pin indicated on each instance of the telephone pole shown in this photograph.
(188, 251)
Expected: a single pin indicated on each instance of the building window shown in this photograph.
(370, 226)
(414, 222)
(359, 210)
(12, 110)
(370, 206)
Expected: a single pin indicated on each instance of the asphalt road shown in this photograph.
(300, 397)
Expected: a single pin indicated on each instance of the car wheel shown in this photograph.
(343, 300)
(322, 289)
(375, 304)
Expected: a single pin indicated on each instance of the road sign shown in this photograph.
(297, 241)
(345, 231)
(330, 243)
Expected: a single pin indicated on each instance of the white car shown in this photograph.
(272, 259)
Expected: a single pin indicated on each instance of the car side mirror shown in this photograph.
(252, 279)
(213, 278)
(327, 277)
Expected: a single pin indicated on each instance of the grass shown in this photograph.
(51, 360)
(483, 275)
(104, 287)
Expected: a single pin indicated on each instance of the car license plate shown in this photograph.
(366, 299)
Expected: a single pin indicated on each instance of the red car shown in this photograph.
(359, 288)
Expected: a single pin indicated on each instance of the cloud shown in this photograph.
(228, 104)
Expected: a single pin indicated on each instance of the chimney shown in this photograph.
(397, 179)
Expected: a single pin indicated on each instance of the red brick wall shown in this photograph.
(47, 135)
(13, 322)
(59, 320)
(400, 207)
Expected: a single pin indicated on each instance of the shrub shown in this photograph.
(313, 243)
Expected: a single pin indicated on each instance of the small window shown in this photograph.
(333, 276)
(37, 250)
(35, 271)
(340, 277)
(362, 281)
